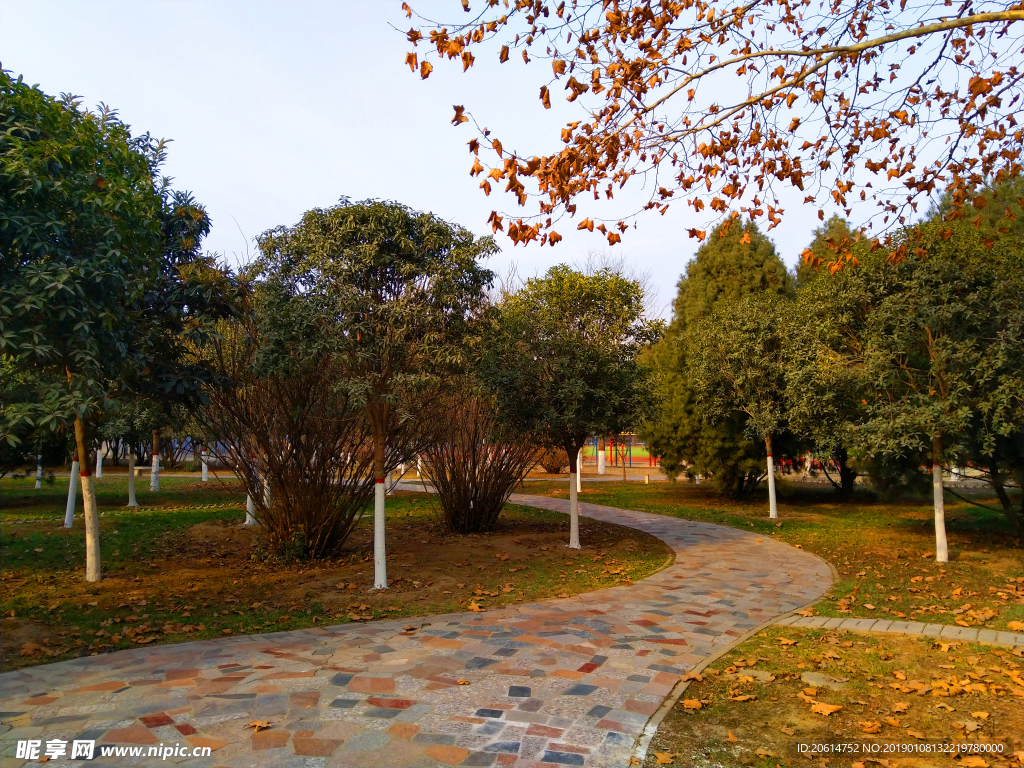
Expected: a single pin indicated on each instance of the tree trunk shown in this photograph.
(131, 480)
(773, 509)
(250, 510)
(579, 471)
(204, 456)
(941, 549)
(1014, 515)
(154, 472)
(574, 501)
(69, 512)
(380, 563)
(39, 472)
(600, 455)
(847, 475)
(99, 461)
(89, 511)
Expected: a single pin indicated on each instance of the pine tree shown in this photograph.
(737, 260)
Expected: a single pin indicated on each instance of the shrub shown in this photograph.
(555, 461)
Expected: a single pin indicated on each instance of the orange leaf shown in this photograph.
(459, 117)
(425, 69)
(545, 97)
(693, 704)
(412, 60)
(259, 725)
(821, 708)
(731, 737)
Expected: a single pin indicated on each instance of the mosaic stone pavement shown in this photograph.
(567, 682)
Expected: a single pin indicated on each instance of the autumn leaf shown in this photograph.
(980, 715)
(748, 697)
(786, 641)
(462, 682)
(871, 726)
(973, 761)
(545, 97)
(459, 117)
(900, 706)
(692, 704)
(731, 737)
(693, 676)
(1015, 626)
(474, 607)
(664, 758)
(916, 734)
(259, 725)
(787, 730)
(821, 708)
(425, 69)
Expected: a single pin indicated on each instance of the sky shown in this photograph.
(275, 108)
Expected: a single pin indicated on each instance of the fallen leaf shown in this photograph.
(30, 649)
(786, 641)
(871, 726)
(664, 758)
(731, 737)
(811, 691)
(463, 682)
(693, 704)
(893, 722)
(869, 606)
(748, 697)
(980, 715)
(974, 762)
(762, 752)
(259, 725)
(693, 676)
(474, 607)
(787, 730)
(916, 734)
(821, 708)
(1015, 626)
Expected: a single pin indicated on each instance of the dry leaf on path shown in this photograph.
(694, 676)
(259, 725)
(900, 706)
(980, 715)
(462, 682)
(731, 737)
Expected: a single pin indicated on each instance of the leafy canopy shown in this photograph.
(723, 104)
(562, 356)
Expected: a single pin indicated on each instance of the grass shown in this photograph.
(883, 553)
(893, 696)
(183, 567)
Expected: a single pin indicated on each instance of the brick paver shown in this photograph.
(560, 682)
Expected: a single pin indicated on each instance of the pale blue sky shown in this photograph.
(276, 108)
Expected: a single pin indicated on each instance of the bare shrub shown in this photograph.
(475, 464)
(301, 451)
(555, 461)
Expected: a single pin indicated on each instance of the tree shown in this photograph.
(738, 363)
(942, 354)
(831, 239)
(100, 271)
(562, 361)
(385, 293)
(737, 260)
(880, 99)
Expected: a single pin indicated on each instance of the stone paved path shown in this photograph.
(567, 682)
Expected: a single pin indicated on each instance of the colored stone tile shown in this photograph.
(315, 747)
(450, 755)
(270, 739)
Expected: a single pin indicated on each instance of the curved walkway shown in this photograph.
(568, 682)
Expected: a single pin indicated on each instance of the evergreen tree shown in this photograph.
(737, 260)
(831, 239)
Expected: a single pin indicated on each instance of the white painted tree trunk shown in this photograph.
(39, 472)
(941, 547)
(773, 510)
(154, 473)
(92, 529)
(99, 461)
(380, 565)
(266, 492)
(250, 510)
(389, 484)
(131, 480)
(602, 461)
(204, 457)
(69, 513)
(579, 471)
(574, 512)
